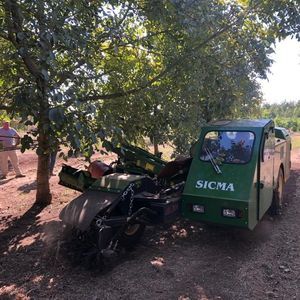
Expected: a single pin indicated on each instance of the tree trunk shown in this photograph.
(155, 145)
(37, 67)
(43, 195)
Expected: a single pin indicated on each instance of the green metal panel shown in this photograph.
(235, 188)
(266, 177)
(136, 160)
(239, 124)
(115, 182)
(253, 203)
(283, 148)
(75, 179)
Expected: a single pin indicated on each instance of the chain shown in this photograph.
(113, 244)
(129, 189)
(131, 199)
(99, 220)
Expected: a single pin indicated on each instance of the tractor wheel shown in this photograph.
(131, 235)
(276, 205)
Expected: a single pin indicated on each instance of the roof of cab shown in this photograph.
(259, 123)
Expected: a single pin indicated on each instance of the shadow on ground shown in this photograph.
(26, 188)
(25, 253)
(188, 257)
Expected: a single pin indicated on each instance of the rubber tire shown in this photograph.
(277, 201)
(129, 239)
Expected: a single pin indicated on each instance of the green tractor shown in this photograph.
(236, 172)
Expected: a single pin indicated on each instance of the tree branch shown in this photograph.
(124, 16)
(179, 61)
(133, 42)
(4, 36)
(5, 107)
(13, 18)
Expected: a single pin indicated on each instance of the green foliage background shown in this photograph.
(285, 114)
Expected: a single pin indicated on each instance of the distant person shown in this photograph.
(55, 148)
(52, 160)
(9, 139)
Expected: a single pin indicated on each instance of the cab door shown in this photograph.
(266, 180)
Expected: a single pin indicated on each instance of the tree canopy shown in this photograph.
(80, 70)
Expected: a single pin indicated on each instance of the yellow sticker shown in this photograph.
(149, 167)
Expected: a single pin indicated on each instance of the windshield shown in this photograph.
(227, 147)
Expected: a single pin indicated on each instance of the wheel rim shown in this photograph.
(132, 229)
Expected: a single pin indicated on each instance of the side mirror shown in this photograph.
(192, 150)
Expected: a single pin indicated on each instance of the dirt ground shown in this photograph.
(186, 261)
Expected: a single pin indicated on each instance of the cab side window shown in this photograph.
(268, 146)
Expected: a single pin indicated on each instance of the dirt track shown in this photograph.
(187, 261)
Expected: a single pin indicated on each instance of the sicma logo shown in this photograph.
(214, 185)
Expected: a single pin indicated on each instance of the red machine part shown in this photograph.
(98, 169)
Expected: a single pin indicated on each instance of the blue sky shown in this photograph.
(284, 79)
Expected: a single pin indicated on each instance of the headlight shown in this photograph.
(198, 208)
(232, 213)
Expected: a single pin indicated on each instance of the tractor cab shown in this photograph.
(231, 163)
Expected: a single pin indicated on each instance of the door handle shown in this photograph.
(260, 185)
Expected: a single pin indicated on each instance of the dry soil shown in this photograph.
(185, 261)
